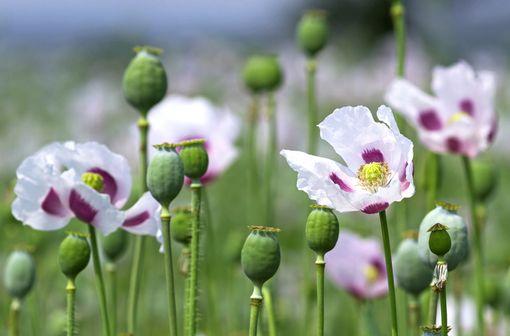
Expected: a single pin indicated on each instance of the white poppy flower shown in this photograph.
(379, 162)
(50, 192)
(179, 118)
(459, 119)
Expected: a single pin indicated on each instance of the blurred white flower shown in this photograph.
(379, 160)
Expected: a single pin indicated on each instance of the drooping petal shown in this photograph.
(114, 168)
(325, 181)
(143, 217)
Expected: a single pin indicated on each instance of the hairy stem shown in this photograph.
(111, 270)
(138, 246)
(71, 295)
(269, 307)
(477, 247)
(255, 303)
(271, 155)
(169, 271)
(196, 199)
(389, 271)
(101, 291)
(320, 294)
(14, 313)
(444, 313)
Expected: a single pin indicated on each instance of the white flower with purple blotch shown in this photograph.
(50, 190)
(379, 162)
(459, 119)
(357, 265)
(179, 118)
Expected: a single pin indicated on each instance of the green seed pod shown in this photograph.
(260, 256)
(73, 255)
(412, 274)
(321, 229)
(485, 179)
(445, 214)
(194, 158)
(115, 245)
(180, 225)
(439, 240)
(145, 81)
(19, 274)
(262, 73)
(312, 32)
(165, 175)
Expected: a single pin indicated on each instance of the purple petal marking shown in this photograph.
(109, 184)
(375, 208)
(466, 105)
(404, 184)
(137, 219)
(429, 120)
(492, 133)
(52, 204)
(454, 145)
(380, 266)
(81, 209)
(339, 182)
(372, 155)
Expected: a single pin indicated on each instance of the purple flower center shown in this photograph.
(429, 120)
(109, 184)
(375, 208)
(467, 106)
(52, 204)
(372, 155)
(136, 220)
(81, 209)
(339, 182)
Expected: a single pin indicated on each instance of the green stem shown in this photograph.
(432, 179)
(319, 262)
(414, 315)
(311, 69)
(271, 316)
(444, 313)
(252, 162)
(398, 16)
(389, 271)
(101, 291)
(366, 324)
(255, 303)
(196, 195)
(169, 271)
(433, 301)
(14, 318)
(138, 246)
(477, 247)
(272, 147)
(71, 295)
(111, 270)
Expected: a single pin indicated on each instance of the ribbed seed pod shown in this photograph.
(73, 255)
(165, 175)
(321, 229)
(180, 225)
(439, 240)
(19, 274)
(412, 274)
(485, 178)
(194, 158)
(115, 245)
(145, 81)
(262, 73)
(445, 214)
(312, 32)
(260, 256)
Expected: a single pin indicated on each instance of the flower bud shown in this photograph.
(260, 256)
(194, 158)
(312, 32)
(412, 274)
(73, 255)
(165, 174)
(115, 245)
(180, 225)
(439, 240)
(445, 214)
(145, 81)
(485, 179)
(321, 229)
(262, 73)
(19, 274)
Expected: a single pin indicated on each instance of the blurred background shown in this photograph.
(60, 79)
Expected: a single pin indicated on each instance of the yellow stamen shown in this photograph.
(458, 116)
(371, 273)
(373, 175)
(93, 180)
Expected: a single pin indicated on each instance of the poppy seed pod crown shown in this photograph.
(165, 174)
(145, 81)
(73, 255)
(260, 256)
(19, 274)
(321, 229)
(262, 73)
(194, 158)
(312, 32)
